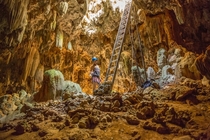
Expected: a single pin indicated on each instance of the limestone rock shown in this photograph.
(151, 74)
(138, 75)
(72, 90)
(105, 106)
(26, 107)
(203, 63)
(179, 93)
(145, 113)
(19, 130)
(52, 86)
(167, 76)
(188, 67)
(161, 58)
(132, 120)
(149, 125)
(7, 104)
(84, 123)
(22, 94)
(104, 89)
(62, 8)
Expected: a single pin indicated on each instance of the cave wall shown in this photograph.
(37, 36)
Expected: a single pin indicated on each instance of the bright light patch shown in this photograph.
(118, 4)
(96, 10)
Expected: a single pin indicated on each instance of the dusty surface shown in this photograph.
(38, 36)
(176, 112)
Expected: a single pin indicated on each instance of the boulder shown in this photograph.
(103, 89)
(179, 92)
(138, 75)
(84, 123)
(52, 86)
(7, 104)
(132, 120)
(203, 63)
(72, 90)
(188, 66)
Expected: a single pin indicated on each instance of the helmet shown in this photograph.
(94, 59)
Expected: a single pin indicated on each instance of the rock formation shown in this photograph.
(45, 55)
(54, 33)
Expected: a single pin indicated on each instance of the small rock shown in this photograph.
(163, 129)
(26, 107)
(94, 120)
(132, 120)
(67, 122)
(34, 127)
(183, 138)
(141, 115)
(116, 103)
(84, 123)
(149, 125)
(105, 106)
(43, 133)
(19, 129)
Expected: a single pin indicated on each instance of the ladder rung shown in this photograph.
(117, 48)
(119, 38)
(110, 75)
(121, 33)
(116, 54)
(122, 28)
(112, 67)
(118, 43)
(114, 61)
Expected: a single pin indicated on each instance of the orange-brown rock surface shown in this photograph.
(176, 112)
(39, 36)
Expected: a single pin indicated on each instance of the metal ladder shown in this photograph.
(117, 49)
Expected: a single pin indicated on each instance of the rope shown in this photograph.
(140, 45)
(134, 56)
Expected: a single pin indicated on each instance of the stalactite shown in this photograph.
(59, 38)
(62, 8)
(47, 10)
(17, 12)
(20, 34)
(31, 64)
(53, 23)
(69, 46)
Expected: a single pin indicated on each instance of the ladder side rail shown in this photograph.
(118, 41)
(115, 44)
(129, 6)
(134, 54)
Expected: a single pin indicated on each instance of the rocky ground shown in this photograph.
(177, 112)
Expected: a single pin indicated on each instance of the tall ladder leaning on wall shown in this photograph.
(117, 49)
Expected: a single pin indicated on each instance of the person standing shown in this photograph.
(95, 73)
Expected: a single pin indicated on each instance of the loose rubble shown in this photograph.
(169, 113)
